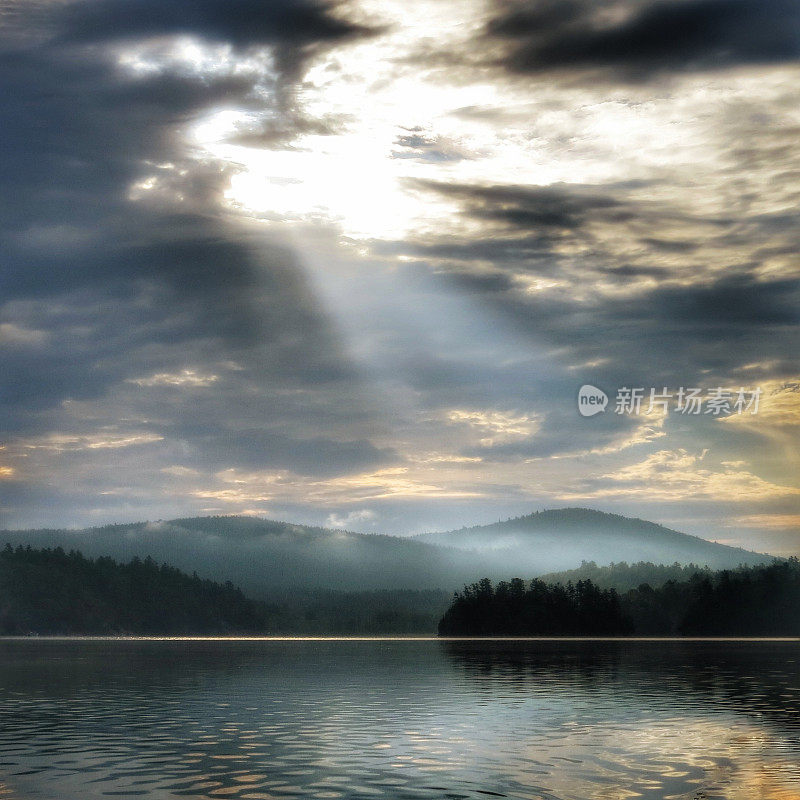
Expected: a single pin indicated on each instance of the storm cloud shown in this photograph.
(643, 40)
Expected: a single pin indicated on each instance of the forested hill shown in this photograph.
(50, 591)
(560, 539)
(54, 592)
(263, 556)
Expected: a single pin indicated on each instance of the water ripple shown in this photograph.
(402, 719)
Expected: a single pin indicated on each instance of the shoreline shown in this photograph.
(379, 638)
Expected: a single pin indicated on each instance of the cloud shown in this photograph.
(779, 522)
(778, 406)
(291, 26)
(637, 41)
(586, 268)
(324, 266)
(679, 476)
(121, 265)
(532, 207)
(649, 429)
(64, 442)
(350, 519)
(495, 426)
(416, 145)
(738, 300)
(157, 252)
(186, 377)
(178, 471)
(395, 483)
(236, 21)
(12, 335)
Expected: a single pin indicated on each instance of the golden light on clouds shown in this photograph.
(238, 486)
(495, 426)
(777, 522)
(779, 406)
(66, 442)
(679, 475)
(370, 254)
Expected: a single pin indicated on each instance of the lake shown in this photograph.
(258, 719)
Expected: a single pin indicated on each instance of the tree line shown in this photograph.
(52, 591)
(623, 576)
(749, 601)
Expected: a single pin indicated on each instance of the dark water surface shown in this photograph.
(588, 720)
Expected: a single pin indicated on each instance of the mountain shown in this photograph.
(266, 558)
(561, 539)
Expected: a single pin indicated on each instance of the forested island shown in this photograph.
(750, 601)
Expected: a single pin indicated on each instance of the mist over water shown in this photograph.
(568, 720)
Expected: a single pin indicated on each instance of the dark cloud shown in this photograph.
(294, 29)
(260, 449)
(121, 274)
(481, 283)
(624, 272)
(641, 40)
(731, 303)
(239, 22)
(532, 207)
(280, 133)
(415, 145)
(524, 226)
(663, 320)
(670, 246)
(669, 334)
(114, 286)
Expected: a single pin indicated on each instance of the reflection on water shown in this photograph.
(400, 719)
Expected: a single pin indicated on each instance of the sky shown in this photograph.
(350, 263)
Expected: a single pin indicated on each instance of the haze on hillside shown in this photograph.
(264, 556)
(562, 538)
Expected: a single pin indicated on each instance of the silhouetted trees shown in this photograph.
(749, 601)
(57, 592)
(535, 609)
(50, 591)
(325, 612)
(53, 592)
(623, 576)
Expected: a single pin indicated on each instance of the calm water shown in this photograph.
(400, 719)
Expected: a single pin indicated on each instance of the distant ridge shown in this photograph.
(265, 556)
(565, 537)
